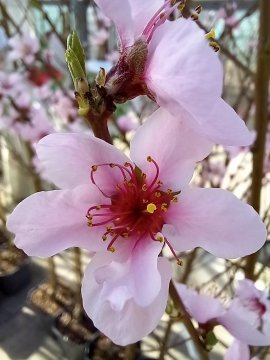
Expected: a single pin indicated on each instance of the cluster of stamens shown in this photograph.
(137, 206)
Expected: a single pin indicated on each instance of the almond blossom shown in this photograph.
(172, 63)
(126, 211)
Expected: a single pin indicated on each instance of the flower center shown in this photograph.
(137, 206)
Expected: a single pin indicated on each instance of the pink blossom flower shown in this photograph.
(23, 47)
(248, 316)
(128, 206)
(171, 62)
(11, 84)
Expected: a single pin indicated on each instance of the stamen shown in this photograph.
(149, 159)
(179, 261)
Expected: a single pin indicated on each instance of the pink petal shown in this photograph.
(179, 83)
(201, 307)
(68, 158)
(48, 222)
(215, 220)
(237, 351)
(119, 12)
(174, 147)
(192, 73)
(116, 313)
(237, 323)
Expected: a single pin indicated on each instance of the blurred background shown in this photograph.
(41, 316)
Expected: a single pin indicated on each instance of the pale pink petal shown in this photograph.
(117, 314)
(119, 12)
(48, 222)
(238, 324)
(237, 351)
(137, 276)
(68, 157)
(174, 146)
(246, 289)
(191, 72)
(191, 81)
(201, 307)
(215, 220)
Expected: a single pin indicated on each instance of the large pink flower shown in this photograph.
(172, 62)
(111, 203)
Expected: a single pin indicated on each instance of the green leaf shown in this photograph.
(34, 3)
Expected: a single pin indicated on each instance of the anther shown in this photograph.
(214, 45)
(125, 235)
(157, 194)
(94, 167)
(194, 16)
(169, 191)
(149, 159)
(89, 223)
(104, 237)
(174, 199)
(164, 207)
(179, 262)
(89, 216)
(111, 249)
(160, 238)
(211, 34)
(145, 201)
(112, 165)
(108, 228)
(160, 183)
(98, 207)
(198, 9)
(144, 187)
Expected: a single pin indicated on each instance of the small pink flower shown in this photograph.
(132, 208)
(171, 62)
(23, 47)
(248, 316)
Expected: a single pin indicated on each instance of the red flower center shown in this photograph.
(136, 208)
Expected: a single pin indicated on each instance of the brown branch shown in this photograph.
(261, 118)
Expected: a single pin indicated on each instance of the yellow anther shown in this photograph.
(112, 165)
(211, 34)
(179, 262)
(169, 191)
(175, 199)
(89, 223)
(164, 207)
(108, 228)
(161, 15)
(173, 2)
(160, 183)
(214, 45)
(144, 187)
(112, 233)
(89, 216)
(98, 207)
(181, 5)
(160, 238)
(145, 201)
(94, 167)
(149, 158)
(104, 237)
(111, 249)
(151, 208)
